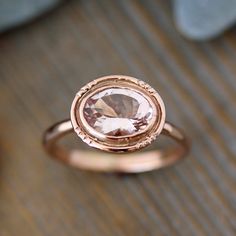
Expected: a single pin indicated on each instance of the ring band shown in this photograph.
(117, 114)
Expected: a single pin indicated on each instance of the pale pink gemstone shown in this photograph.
(118, 112)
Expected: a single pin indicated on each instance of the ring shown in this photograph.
(119, 115)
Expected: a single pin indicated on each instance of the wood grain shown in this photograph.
(43, 64)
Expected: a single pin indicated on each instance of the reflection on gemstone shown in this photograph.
(118, 111)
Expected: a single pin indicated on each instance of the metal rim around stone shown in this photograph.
(114, 144)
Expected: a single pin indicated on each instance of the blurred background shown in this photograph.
(184, 49)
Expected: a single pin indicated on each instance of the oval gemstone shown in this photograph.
(118, 112)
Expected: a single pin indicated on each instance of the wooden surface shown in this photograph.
(43, 64)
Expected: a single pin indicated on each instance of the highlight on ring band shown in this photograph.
(117, 114)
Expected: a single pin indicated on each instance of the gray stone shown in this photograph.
(204, 19)
(16, 12)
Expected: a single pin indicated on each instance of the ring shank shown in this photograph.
(108, 162)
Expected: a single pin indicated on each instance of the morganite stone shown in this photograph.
(118, 111)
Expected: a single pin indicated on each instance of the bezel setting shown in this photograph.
(126, 143)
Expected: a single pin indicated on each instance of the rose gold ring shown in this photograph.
(117, 114)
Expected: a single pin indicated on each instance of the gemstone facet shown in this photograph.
(118, 112)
